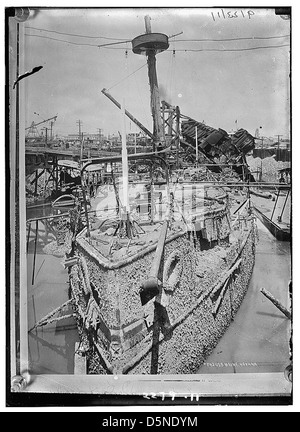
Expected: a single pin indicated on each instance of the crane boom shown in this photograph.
(139, 124)
(44, 121)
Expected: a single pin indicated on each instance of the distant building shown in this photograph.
(86, 137)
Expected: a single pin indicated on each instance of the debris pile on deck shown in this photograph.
(269, 166)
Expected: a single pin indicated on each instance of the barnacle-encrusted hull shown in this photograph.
(175, 331)
(201, 322)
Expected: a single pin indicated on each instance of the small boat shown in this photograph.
(279, 231)
(275, 217)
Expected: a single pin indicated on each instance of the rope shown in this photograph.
(173, 77)
(48, 318)
(142, 102)
(50, 321)
(169, 76)
(123, 79)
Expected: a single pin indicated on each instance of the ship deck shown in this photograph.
(192, 204)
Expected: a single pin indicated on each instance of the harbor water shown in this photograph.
(258, 340)
(51, 347)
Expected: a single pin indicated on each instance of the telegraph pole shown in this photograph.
(196, 138)
(51, 134)
(278, 136)
(81, 147)
(79, 122)
(46, 136)
(100, 135)
(178, 136)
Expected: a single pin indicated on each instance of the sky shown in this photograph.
(248, 88)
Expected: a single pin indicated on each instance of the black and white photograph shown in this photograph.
(149, 204)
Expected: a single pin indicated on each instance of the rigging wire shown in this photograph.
(77, 43)
(232, 50)
(173, 36)
(108, 46)
(173, 76)
(173, 70)
(214, 49)
(75, 34)
(231, 39)
(169, 75)
(123, 79)
(142, 102)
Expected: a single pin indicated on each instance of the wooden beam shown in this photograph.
(276, 303)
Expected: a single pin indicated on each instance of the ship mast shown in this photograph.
(150, 44)
(154, 89)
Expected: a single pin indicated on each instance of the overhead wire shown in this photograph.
(75, 34)
(173, 36)
(109, 45)
(232, 50)
(77, 43)
(232, 39)
(213, 49)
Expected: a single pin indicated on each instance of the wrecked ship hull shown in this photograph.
(176, 330)
(200, 325)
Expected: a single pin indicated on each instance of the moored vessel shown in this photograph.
(159, 271)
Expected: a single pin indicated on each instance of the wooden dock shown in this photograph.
(281, 232)
(276, 216)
